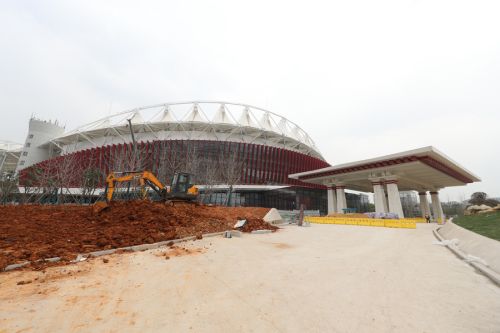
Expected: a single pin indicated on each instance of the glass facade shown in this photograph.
(287, 198)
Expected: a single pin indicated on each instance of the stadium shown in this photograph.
(9, 156)
(241, 155)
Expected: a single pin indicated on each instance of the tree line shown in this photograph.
(68, 179)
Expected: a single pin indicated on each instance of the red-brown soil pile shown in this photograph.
(33, 232)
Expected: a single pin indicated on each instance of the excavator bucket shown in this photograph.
(99, 206)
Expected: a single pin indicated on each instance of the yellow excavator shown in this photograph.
(182, 188)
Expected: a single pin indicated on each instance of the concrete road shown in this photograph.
(325, 278)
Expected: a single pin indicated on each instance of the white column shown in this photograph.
(379, 197)
(341, 201)
(393, 198)
(384, 199)
(436, 208)
(424, 204)
(332, 200)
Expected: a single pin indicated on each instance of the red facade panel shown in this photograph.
(260, 164)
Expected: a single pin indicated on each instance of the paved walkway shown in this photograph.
(325, 278)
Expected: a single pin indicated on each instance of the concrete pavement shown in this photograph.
(323, 278)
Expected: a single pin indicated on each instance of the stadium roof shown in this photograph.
(10, 146)
(198, 120)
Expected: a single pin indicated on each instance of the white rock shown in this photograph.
(273, 217)
(476, 207)
(240, 223)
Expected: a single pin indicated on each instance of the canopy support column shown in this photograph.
(379, 197)
(424, 204)
(341, 200)
(332, 200)
(393, 197)
(437, 209)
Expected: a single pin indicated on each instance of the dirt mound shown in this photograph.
(33, 232)
(256, 224)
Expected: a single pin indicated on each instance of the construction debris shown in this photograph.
(239, 224)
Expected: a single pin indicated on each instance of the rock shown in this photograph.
(20, 283)
(235, 233)
(475, 208)
(273, 217)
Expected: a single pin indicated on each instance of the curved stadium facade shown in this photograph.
(258, 147)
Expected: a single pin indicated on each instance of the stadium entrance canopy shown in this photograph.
(423, 170)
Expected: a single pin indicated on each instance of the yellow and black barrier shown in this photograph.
(388, 223)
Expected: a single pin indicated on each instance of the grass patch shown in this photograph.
(484, 224)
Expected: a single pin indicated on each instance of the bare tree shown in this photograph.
(92, 178)
(231, 166)
(8, 187)
(209, 175)
(47, 180)
(182, 157)
(481, 198)
(67, 170)
(125, 159)
(30, 182)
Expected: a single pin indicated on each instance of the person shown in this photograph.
(428, 218)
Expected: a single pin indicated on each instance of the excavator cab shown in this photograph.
(182, 187)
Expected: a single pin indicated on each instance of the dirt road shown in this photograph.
(325, 278)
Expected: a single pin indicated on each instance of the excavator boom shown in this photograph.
(144, 178)
(181, 189)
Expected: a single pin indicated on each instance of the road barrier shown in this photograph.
(415, 219)
(388, 223)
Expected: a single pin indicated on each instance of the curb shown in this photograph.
(15, 266)
(134, 248)
(489, 273)
(262, 231)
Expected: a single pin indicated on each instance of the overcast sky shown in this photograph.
(363, 78)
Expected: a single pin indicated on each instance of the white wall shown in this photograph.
(39, 132)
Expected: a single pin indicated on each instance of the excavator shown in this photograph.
(182, 188)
